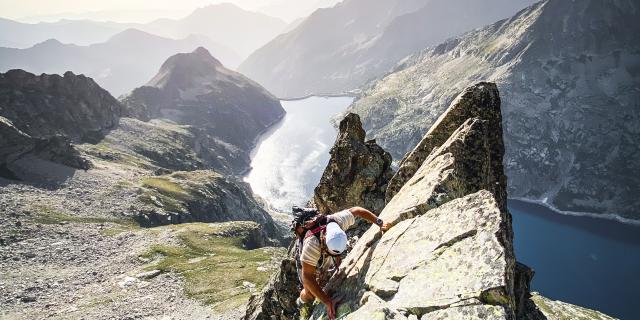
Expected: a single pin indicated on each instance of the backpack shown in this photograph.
(314, 224)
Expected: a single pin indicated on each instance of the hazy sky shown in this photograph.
(143, 10)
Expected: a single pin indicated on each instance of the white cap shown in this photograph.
(336, 239)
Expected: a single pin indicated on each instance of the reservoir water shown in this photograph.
(590, 262)
(289, 161)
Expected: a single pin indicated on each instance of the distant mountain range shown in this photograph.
(340, 48)
(20, 35)
(240, 30)
(569, 76)
(124, 62)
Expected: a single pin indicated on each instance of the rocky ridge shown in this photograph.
(568, 73)
(452, 233)
(39, 117)
(48, 105)
(450, 252)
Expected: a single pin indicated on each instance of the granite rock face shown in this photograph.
(568, 72)
(195, 89)
(357, 173)
(481, 101)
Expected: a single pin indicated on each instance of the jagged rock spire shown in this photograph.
(357, 173)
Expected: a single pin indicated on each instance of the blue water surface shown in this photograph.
(590, 262)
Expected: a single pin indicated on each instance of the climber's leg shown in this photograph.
(306, 296)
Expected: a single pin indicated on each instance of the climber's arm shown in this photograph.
(369, 216)
(309, 282)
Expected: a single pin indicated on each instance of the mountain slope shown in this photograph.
(340, 48)
(221, 24)
(195, 89)
(568, 72)
(41, 115)
(125, 61)
(47, 105)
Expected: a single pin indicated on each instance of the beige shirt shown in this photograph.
(311, 249)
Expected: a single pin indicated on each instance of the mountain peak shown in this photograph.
(203, 53)
(218, 6)
(182, 68)
(49, 43)
(130, 35)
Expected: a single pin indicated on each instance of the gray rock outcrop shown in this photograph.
(481, 101)
(542, 308)
(200, 196)
(357, 173)
(568, 71)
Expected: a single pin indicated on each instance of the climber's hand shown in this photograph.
(331, 310)
(385, 226)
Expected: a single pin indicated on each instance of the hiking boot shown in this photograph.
(305, 309)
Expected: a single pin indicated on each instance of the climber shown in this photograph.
(322, 237)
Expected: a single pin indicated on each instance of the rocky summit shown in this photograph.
(450, 252)
(451, 245)
(481, 101)
(568, 71)
(195, 89)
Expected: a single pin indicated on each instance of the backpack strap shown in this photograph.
(320, 227)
